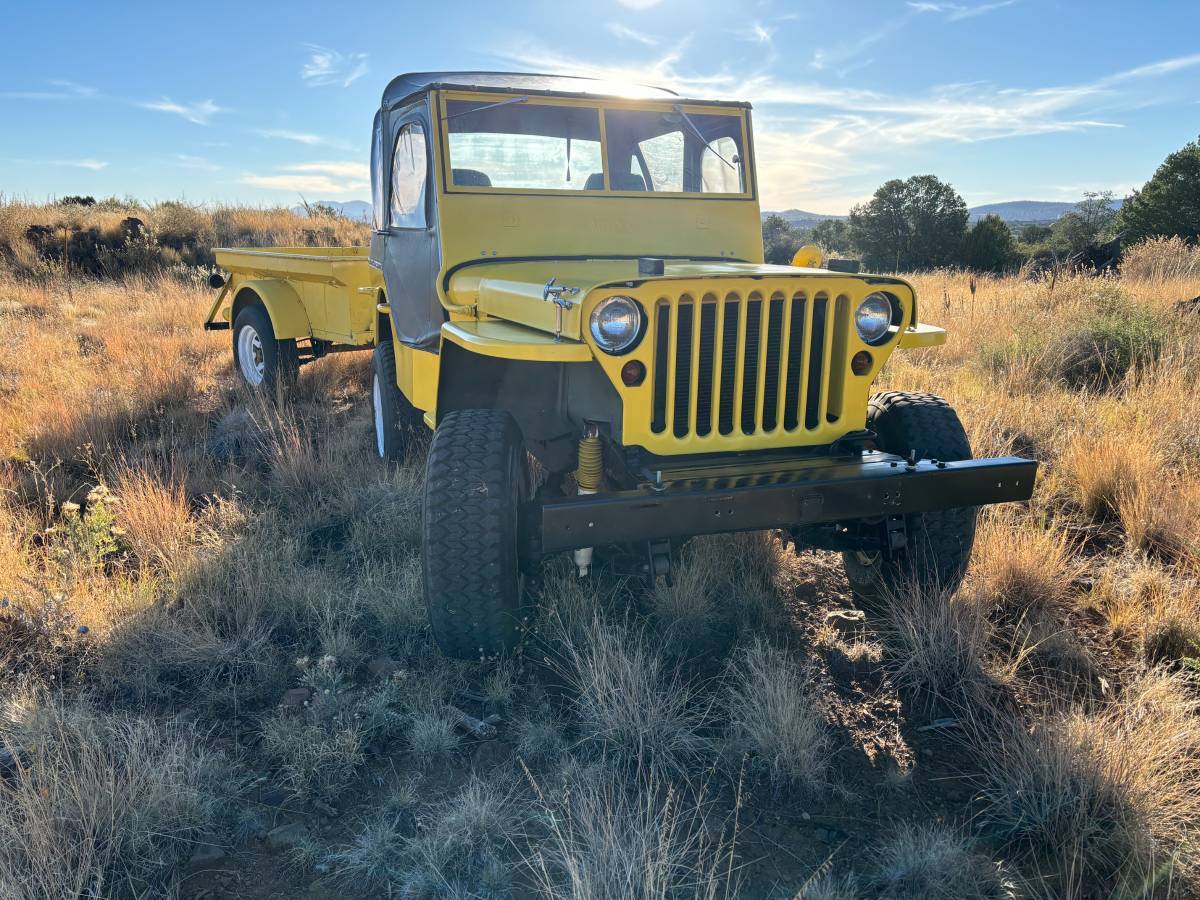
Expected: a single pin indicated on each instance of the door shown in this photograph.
(406, 246)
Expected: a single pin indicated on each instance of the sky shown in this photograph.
(260, 102)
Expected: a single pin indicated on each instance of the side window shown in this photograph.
(408, 178)
(377, 201)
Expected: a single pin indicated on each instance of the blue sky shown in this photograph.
(259, 102)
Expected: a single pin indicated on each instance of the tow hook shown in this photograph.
(589, 476)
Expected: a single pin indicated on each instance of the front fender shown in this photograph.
(289, 319)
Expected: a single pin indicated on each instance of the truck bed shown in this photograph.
(327, 293)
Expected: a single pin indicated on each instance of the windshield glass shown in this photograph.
(524, 143)
(516, 144)
(675, 152)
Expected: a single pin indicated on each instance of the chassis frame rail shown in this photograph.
(802, 493)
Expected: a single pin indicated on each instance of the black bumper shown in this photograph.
(797, 493)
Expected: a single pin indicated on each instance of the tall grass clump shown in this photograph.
(628, 701)
(776, 717)
(603, 837)
(1161, 259)
(1104, 802)
(100, 804)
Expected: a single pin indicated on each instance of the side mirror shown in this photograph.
(215, 281)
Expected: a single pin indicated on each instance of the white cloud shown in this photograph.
(311, 184)
(74, 88)
(299, 137)
(200, 112)
(187, 161)
(625, 33)
(357, 171)
(62, 90)
(325, 67)
(94, 165)
(955, 12)
(639, 4)
(328, 177)
(1153, 70)
(759, 33)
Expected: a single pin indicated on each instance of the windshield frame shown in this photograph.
(600, 104)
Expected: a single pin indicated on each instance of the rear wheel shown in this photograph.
(939, 543)
(395, 418)
(475, 479)
(261, 360)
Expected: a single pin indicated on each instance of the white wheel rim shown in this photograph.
(250, 355)
(377, 402)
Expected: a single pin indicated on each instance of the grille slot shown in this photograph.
(748, 363)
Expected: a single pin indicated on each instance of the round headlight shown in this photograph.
(873, 317)
(616, 324)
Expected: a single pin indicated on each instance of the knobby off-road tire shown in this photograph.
(262, 361)
(939, 543)
(475, 479)
(395, 418)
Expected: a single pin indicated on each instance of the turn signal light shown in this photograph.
(860, 362)
(633, 373)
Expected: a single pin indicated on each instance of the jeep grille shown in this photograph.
(748, 364)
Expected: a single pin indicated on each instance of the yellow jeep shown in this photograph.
(571, 271)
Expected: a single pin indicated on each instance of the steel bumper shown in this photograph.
(801, 492)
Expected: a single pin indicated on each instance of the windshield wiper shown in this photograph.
(707, 146)
(480, 109)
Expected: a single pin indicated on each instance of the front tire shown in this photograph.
(263, 361)
(939, 543)
(475, 479)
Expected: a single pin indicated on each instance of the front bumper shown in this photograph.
(798, 492)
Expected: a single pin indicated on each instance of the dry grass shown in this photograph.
(776, 717)
(1022, 570)
(939, 647)
(1161, 259)
(629, 701)
(647, 840)
(100, 803)
(936, 862)
(1106, 800)
(37, 239)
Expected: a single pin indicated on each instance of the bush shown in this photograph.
(1100, 351)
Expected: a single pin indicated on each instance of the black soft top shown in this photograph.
(404, 87)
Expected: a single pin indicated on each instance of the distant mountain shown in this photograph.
(799, 218)
(1041, 212)
(360, 210)
(1023, 212)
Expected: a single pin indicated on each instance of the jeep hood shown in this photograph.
(513, 291)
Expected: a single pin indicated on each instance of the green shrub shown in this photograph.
(1101, 350)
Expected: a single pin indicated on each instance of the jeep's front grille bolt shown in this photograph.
(589, 476)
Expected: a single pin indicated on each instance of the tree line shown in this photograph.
(922, 223)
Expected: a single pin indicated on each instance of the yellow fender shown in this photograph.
(288, 316)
